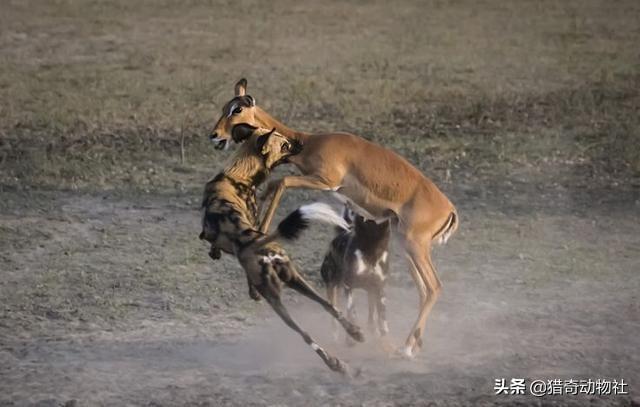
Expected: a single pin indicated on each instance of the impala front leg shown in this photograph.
(277, 189)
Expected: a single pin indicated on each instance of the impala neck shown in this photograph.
(265, 120)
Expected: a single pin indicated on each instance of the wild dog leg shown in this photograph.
(215, 253)
(253, 293)
(300, 285)
(381, 308)
(372, 301)
(332, 295)
(329, 273)
(351, 306)
(334, 363)
(351, 310)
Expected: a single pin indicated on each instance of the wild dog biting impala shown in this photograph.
(358, 258)
(230, 225)
(379, 184)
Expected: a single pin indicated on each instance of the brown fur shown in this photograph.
(378, 181)
(230, 225)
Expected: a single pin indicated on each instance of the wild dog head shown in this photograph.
(273, 147)
(368, 227)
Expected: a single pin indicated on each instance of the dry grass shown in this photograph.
(96, 94)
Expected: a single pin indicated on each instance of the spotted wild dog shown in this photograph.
(358, 258)
(230, 225)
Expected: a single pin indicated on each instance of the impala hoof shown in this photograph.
(405, 353)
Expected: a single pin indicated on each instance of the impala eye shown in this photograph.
(237, 110)
(284, 148)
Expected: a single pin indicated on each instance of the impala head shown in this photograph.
(272, 146)
(240, 109)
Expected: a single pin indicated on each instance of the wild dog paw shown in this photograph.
(337, 365)
(350, 342)
(254, 294)
(215, 253)
(354, 331)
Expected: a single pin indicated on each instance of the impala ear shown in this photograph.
(241, 132)
(252, 101)
(241, 87)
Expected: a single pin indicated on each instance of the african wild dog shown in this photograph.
(358, 258)
(230, 225)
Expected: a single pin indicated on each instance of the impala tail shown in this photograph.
(448, 229)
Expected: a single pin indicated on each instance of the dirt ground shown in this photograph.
(112, 300)
(526, 114)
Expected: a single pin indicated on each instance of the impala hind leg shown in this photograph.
(300, 285)
(426, 278)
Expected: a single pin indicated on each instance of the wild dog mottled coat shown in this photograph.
(229, 224)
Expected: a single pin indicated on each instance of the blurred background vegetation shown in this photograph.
(99, 94)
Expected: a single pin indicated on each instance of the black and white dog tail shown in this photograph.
(297, 221)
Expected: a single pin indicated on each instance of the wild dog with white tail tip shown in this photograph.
(229, 224)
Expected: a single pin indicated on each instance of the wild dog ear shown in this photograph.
(261, 142)
(275, 148)
(242, 131)
(241, 87)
